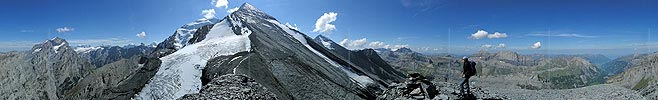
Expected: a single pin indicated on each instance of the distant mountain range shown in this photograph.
(250, 55)
(533, 71)
(102, 55)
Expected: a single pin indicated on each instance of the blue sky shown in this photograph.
(611, 27)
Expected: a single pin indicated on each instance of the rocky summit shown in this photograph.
(232, 87)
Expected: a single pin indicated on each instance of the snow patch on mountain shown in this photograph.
(360, 79)
(186, 32)
(57, 47)
(180, 71)
(86, 49)
(36, 50)
(326, 42)
(327, 45)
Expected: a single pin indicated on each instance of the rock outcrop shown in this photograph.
(641, 75)
(232, 87)
(367, 59)
(417, 88)
(117, 80)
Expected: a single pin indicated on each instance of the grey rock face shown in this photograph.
(366, 59)
(232, 87)
(132, 84)
(46, 72)
(103, 78)
(641, 75)
(22, 80)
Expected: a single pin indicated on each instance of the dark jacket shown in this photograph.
(467, 68)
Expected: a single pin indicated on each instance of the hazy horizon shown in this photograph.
(611, 28)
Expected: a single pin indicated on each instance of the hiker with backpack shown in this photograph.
(469, 70)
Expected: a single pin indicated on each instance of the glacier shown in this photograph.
(180, 71)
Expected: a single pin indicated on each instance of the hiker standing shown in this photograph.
(469, 70)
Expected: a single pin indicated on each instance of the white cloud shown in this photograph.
(323, 24)
(363, 43)
(232, 10)
(482, 34)
(377, 44)
(479, 34)
(497, 35)
(358, 43)
(344, 42)
(487, 46)
(208, 13)
(64, 29)
(220, 3)
(396, 47)
(294, 26)
(536, 45)
(501, 45)
(141, 34)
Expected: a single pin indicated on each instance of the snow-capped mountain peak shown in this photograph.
(177, 77)
(326, 42)
(56, 45)
(247, 6)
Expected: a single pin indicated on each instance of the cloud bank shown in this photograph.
(363, 43)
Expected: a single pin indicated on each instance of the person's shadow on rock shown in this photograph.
(468, 96)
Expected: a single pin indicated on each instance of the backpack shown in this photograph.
(472, 68)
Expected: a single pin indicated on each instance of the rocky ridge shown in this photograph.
(232, 87)
(641, 75)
